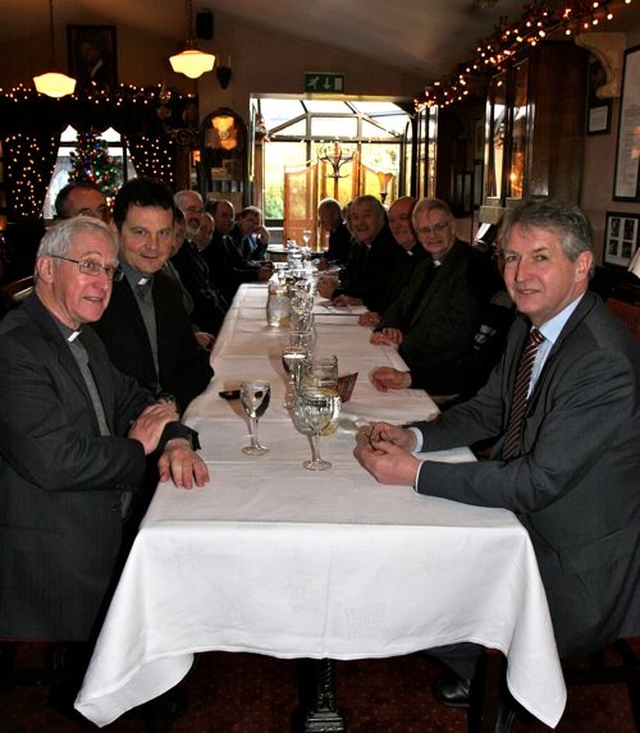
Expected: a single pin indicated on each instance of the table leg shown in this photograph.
(318, 711)
(487, 692)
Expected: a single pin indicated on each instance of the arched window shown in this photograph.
(116, 151)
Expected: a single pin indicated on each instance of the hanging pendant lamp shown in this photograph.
(54, 83)
(191, 62)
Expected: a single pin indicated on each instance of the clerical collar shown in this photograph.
(69, 334)
(134, 277)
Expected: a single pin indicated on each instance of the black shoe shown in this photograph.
(452, 691)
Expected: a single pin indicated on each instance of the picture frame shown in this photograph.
(627, 172)
(598, 110)
(92, 54)
(620, 238)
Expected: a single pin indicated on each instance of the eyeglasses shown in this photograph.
(435, 229)
(93, 268)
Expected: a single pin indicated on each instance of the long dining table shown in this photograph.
(274, 559)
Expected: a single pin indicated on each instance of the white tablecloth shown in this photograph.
(274, 559)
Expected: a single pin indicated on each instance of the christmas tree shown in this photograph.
(91, 162)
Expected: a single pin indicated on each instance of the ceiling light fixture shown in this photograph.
(191, 62)
(54, 83)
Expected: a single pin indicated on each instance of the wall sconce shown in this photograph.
(223, 72)
(384, 179)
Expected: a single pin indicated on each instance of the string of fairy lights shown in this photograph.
(540, 21)
(28, 159)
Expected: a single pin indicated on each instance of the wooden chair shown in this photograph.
(627, 312)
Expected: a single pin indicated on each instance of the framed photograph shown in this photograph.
(598, 110)
(92, 54)
(620, 238)
(626, 186)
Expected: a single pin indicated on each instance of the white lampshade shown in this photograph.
(192, 63)
(54, 84)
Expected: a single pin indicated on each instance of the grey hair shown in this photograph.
(425, 205)
(566, 220)
(370, 200)
(57, 240)
(180, 196)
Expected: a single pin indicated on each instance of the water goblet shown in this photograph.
(255, 396)
(293, 358)
(320, 371)
(316, 408)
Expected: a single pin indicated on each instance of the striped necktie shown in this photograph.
(511, 446)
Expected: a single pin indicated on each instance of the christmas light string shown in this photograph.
(540, 21)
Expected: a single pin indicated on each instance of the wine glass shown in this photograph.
(292, 359)
(306, 236)
(316, 408)
(255, 396)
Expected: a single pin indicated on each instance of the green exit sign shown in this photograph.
(320, 82)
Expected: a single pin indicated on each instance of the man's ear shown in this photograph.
(583, 265)
(44, 268)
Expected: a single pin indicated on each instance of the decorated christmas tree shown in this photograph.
(91, 162)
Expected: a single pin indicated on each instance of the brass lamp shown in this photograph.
(191, 62)
(53, 83)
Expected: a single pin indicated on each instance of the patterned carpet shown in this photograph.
(244, 693)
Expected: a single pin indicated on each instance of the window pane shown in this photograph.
(331, 127)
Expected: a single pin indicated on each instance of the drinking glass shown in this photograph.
(292, 359)
(255, 396)
(315, 408)
(302, 339)
(321, 371)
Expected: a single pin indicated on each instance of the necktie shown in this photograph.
(510, 449)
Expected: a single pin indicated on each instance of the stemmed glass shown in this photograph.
(315, 408)
(293, 357)
(255, 396)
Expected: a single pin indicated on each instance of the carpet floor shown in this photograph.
(245, 693)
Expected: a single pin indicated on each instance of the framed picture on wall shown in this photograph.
(620, 238)
(626, 182)
(92, 54)
(599, 110)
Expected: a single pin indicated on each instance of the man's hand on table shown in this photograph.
(385, 453)
(388, 336)
(369, 319)
(346, 301)
(148, 426)
(182, 465)
(385, 378)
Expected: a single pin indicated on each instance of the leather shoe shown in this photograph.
(452, 691)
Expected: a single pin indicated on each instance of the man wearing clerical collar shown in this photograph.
(76, 437)
(145, 328)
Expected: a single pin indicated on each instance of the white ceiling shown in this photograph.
(427, 37)
(424, 37)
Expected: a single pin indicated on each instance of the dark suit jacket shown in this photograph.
(227, 268)
(576, 485)
(184, 365)
(438, 322)
(210, 306)
(369, 269)
(61, 483)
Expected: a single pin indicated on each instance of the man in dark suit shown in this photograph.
(434, 319)
(76, 437)
(145, 327)
(210, 305)
(227, 267)
(374, 255)
(569, 466)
